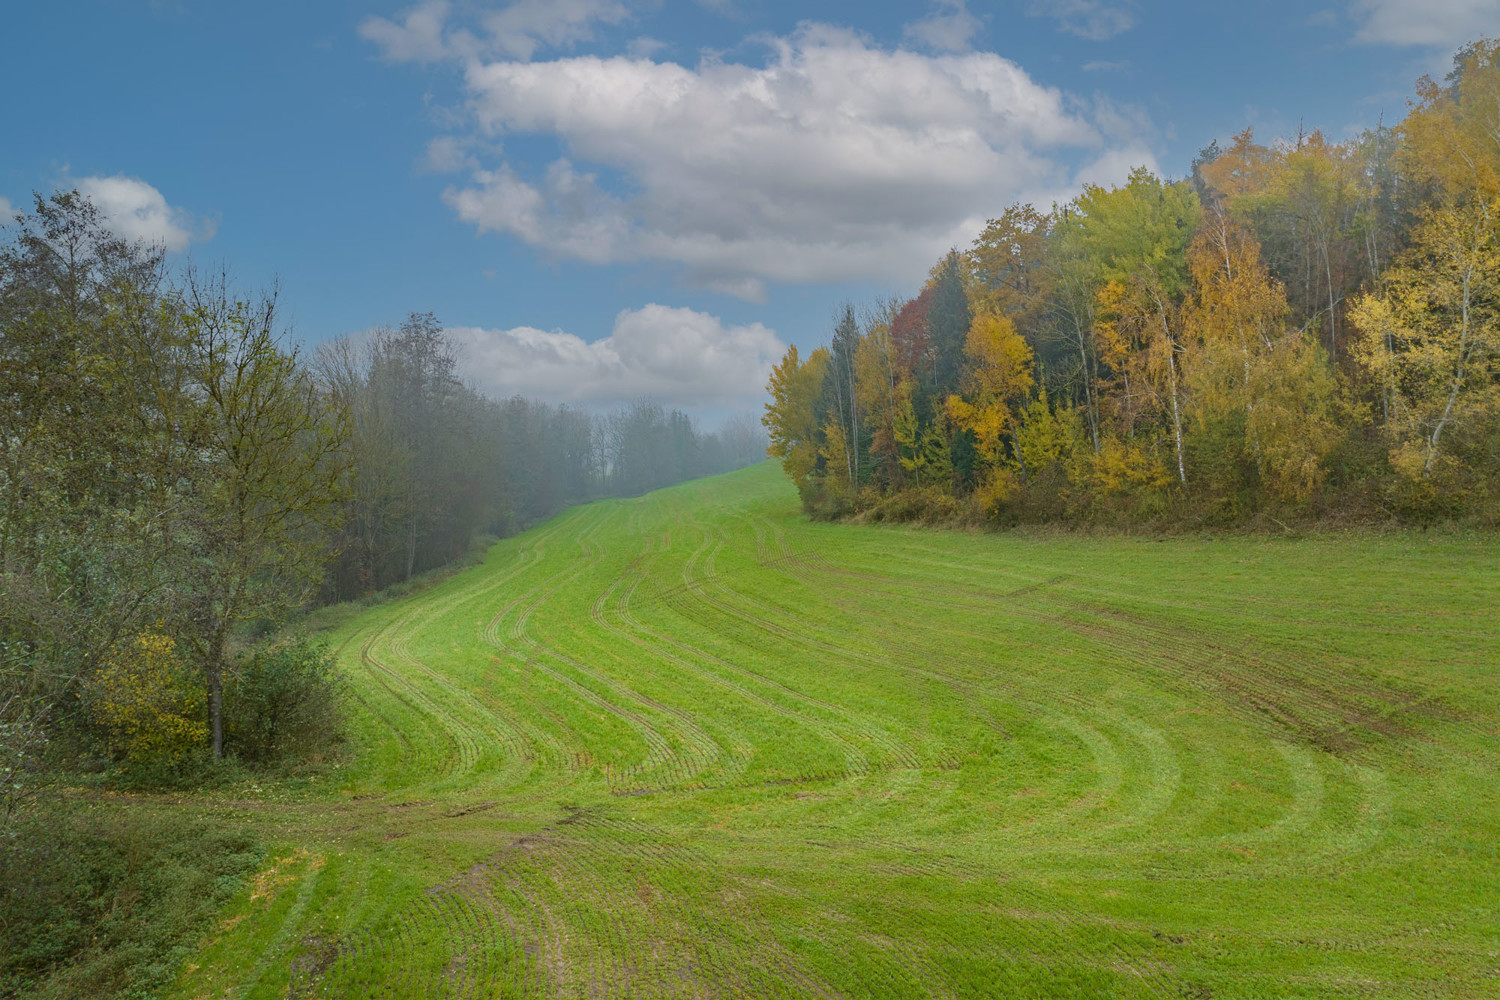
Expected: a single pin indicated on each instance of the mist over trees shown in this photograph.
(431, 464)
(1307, 329)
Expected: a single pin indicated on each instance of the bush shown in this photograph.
(283, 701)
(919, 505)
(107, 905)
(145, 703)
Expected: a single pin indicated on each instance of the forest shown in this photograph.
(1302, 331)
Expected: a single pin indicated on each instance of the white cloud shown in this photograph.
(7, 211)
(448, 154)
(836, 160)
(1110, 170)
(518, 30)
(1095, 20)
(644, 47)
(1448, 23)
(678, 356)
(417, 38)
(137, 211)
(949, 27)
(525, 26)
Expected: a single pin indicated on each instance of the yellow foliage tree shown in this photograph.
(1451, 139)
(1431, 337)
(835, 455)
(1121, 468)
(1295, 420)
(791, 417)
(998, 376)
(1244, 359)
(143, 702)
(877, 393)
(1007, 264)
(1136, 330)
(1242, 169)
(1046, 436)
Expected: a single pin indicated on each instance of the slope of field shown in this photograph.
(693, 745)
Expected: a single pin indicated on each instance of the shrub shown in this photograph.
(921, 505)
(106, 904)
(283, 701)
(145, 703)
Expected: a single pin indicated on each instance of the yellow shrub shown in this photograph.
(141, 699)
(1122, 468)
(996, 488)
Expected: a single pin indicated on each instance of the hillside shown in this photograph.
(696, 745)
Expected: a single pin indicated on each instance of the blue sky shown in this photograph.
(608, 198)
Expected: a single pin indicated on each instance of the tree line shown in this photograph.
(177, 477)
(1304, 329)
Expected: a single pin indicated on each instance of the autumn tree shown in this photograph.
(1451, 139)
(1242, 169)
(1431, 331)
(997, 380)
(1306, 214)
(1008, 261)
(911, 339)
(1133, 241)
(1431, 337)
(1217, 332)
(1246, 368)
(880, 383)
(792, 418)
(1047, 435)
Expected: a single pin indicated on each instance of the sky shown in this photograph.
(609, 199)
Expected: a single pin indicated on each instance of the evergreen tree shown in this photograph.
(948, 321)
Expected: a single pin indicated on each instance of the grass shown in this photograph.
(695, 745)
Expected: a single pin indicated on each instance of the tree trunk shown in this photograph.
(854, 426)
(411, 536)
(214, 676)
(1176, 415)
(1166, 332)
(1333, 326)
(1458, 379)
(1090, 407)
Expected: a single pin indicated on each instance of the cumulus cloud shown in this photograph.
(518, 30)
(7, 211)
(679, 356)
(836, 160)
(137, 211)
(949, 27)
(1448, 23)
(1095, 20)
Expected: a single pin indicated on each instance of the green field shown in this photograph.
(695, 745)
